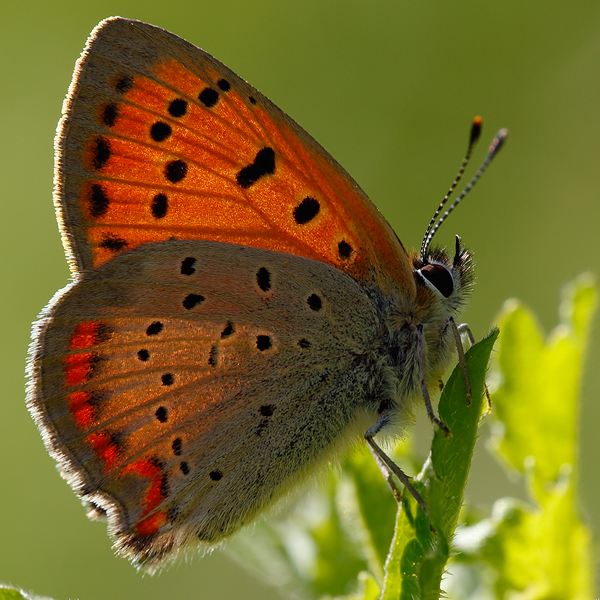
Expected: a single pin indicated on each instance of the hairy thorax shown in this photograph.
(396, 356)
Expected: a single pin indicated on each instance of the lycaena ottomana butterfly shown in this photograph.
(240, 311)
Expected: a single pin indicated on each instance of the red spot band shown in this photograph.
(81, 408)
(105, 448)
(78, 367)
(86, 335)
(149, 524)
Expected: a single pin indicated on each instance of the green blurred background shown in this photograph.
(389, 88)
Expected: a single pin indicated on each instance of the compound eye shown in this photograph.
(440, 278)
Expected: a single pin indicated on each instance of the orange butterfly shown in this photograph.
(240, 312)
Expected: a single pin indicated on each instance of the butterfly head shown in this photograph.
(437, 275)
(449, 279)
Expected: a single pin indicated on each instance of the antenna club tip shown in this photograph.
(499, 140)
(476, 129)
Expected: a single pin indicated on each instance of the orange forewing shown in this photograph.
(173, 141)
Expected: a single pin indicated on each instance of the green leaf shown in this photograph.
(368, 589)
(418, 556)
(537, 398)
(375, 505)
(298, 550)
(543, 549)
(11, 593)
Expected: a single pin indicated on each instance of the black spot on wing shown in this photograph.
(212, 357)
(192, 300)
(160, 131)
(228, 330)
(263, 164)
(100, 153)
(306, 211)
(154, 328)
(315, 302)
(345, 249)
(110, 114)
(124, 83)
(187, 266)
(224, 85)
(176, 170)
(177, 446)
(178, 107)
(263, 342)
(113, 243)
(208, 97)
(98, 201)
(263, 279)
(160, 205)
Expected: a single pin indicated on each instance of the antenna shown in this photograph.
(474, 136)
(495, 146)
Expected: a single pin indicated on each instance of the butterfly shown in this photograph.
(240, 312)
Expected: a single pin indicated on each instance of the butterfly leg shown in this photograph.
(387, 474)
(462, 361)
(464, 328)
(389, 468)
(424, 390)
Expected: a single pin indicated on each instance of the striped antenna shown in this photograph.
(473, 138)
(495, 146)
